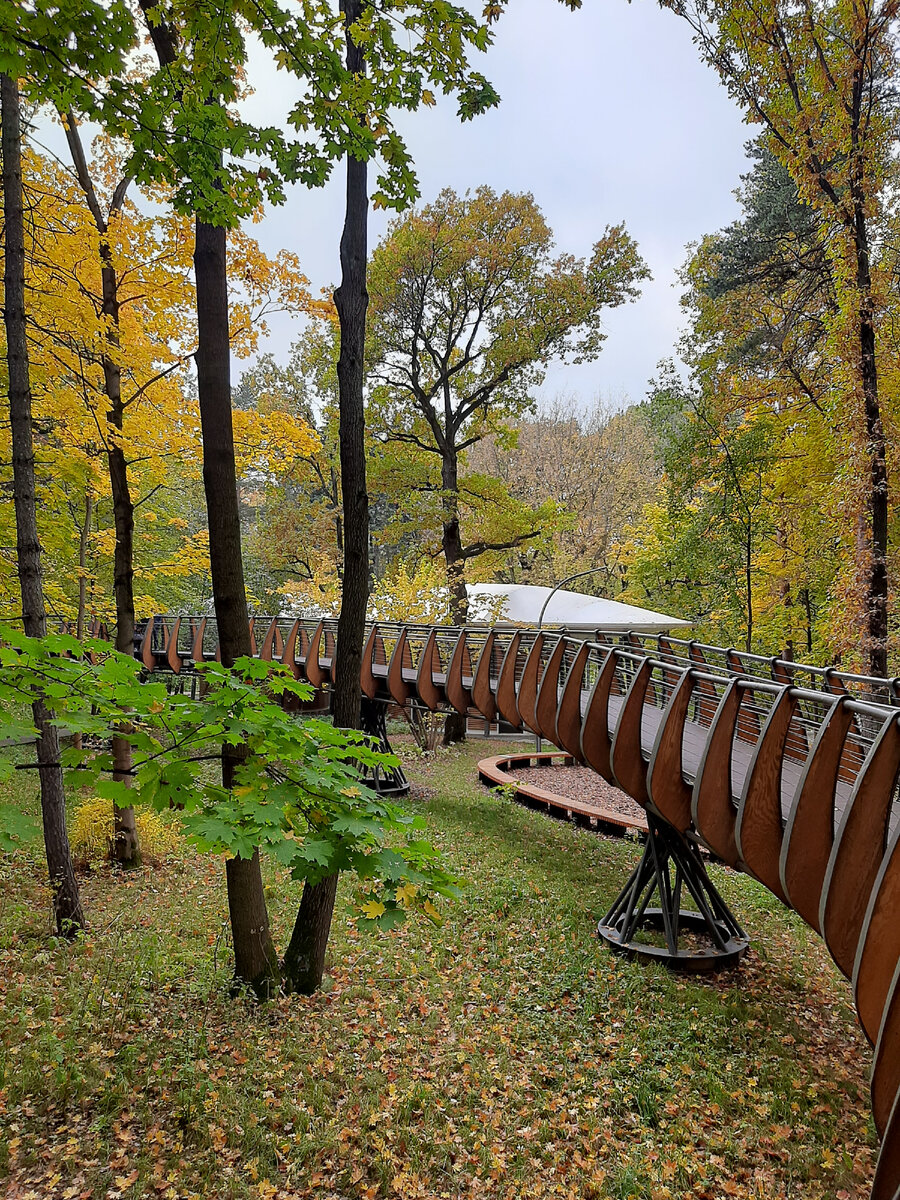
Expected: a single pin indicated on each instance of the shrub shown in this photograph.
(91, 831)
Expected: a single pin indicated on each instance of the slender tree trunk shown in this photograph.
(451, 540)
(125, 849)
(255, 960)
(83, 535)
(351, 300)
(806, 601)
(66, 901)
(877, 590)
(304, 960)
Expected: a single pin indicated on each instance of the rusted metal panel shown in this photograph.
(809, 832)
(858, 849)
(759, 828)
(668, 790)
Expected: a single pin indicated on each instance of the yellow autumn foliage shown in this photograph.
(91, 830)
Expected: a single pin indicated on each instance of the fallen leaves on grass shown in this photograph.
(505, 1055)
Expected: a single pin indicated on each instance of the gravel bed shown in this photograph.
(582, 784)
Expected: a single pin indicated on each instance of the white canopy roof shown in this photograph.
(521, 604)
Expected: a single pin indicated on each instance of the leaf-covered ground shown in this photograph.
(506, 1054)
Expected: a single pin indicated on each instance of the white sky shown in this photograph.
(607, 115)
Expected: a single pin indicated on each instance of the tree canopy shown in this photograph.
(468, 307)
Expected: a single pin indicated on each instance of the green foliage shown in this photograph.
(297, 795)
(465, 293)
(468, 307)
(821, 82)
(181, 120)
(16, 828)
(698, 548)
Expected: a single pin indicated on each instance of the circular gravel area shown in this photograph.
(582, 784)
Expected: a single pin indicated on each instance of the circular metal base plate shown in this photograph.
(709, 958)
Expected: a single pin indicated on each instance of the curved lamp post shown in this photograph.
(538, 740)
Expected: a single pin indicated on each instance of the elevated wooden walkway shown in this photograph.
(785, 771)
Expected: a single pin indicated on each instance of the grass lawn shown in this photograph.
(505, 1054)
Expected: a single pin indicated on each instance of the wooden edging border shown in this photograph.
(494, 772)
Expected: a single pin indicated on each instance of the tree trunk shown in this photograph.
(806, 601)
(83, 536)
(877, 590)
(351, 300)
(451, 539)
(304, 960)
(66, 901)
(748, 583)
(455, 723)
(125, 848)
(255, 960)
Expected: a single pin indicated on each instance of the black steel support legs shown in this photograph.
(669, 869)
(388, 781)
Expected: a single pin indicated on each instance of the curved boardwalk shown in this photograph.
(781, 770)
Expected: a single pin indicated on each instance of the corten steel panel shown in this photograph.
(596, 742)
(879, 943)
(147, 658)
(759, 830)
(548, 693)
(401, 660)
(197, 648)
(809, 831)
(712, 807)
(267, 650)
(482, 694)
(526, 693)
(887, 1172)
(669, 792)
(568, 716)
(626, 760)
(429, 692)
(367, 680)
(859, 849)
(289, 654)
(172, 656)
(886, 1063)
(460, 665)
(506, 683)
(312, 668)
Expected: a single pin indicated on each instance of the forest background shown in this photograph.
(721, 497)
(730, 495)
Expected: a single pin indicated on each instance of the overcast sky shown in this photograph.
(607, 114)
